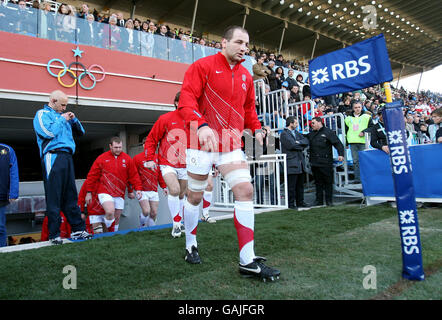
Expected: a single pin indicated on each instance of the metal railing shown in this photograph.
(304, 112)
(269, 174)
(336, 123)
(272, 108)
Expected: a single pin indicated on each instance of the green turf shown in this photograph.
(320, 252)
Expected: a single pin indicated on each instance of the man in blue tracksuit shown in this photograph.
(8, 185)
(54, 128)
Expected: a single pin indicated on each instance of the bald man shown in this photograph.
(54, 129)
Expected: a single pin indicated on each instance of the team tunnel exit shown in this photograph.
(130, 123)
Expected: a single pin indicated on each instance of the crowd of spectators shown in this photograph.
(87, 26)
(279, 60)
(103, 29)
(418, 107)
(63, 24)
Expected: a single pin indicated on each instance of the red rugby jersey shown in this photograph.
(169, 133)
(110, 174)
(222, 97)
(149, 178)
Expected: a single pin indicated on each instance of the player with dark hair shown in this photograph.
(149, 200)
(168, 136)
(218, 102)
(109, 175)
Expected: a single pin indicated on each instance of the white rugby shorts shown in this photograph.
(201, 162)
(96, 218)
(181, 173)
(118, 201)
(149, 195)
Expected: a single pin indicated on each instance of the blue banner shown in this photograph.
(377, 180)
(359, 66)
(412, 267)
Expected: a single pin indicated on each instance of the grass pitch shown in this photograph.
(321, 254)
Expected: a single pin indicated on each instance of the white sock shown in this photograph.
(142, 219)
(207, 202)
(174, 207)
(191, 214)
(116, 227)
(108, 223)
(151, 222)
(244, 219)
(182, 206)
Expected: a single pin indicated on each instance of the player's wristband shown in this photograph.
(203, 125)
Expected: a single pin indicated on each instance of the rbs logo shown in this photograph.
(347, 70)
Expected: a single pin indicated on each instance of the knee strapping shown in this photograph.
(98, 229)
(237, 176)
(196, 185)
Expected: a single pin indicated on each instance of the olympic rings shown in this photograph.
(72, 74)
(61, 82)
(101, 69)
(49, 67)
(77, 63)
(94, 80)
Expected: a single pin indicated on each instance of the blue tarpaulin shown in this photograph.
(426, 161)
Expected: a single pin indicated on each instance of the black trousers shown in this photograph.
(324, 184)
(295, 189)
(61, 192)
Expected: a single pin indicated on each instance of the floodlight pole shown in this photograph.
(193, 18)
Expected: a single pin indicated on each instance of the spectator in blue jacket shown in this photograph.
(8, 185)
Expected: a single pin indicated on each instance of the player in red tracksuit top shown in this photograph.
(169, 136)
(109, 175)
(218, 103)
(95, 212)
(150, 200)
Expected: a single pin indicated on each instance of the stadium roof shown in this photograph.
(412, 28)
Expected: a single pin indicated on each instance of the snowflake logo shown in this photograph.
(395, 137)
(320, 76)
(407, 216)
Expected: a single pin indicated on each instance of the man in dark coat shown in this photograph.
(272, 77)
(292, 144)
(321, 141)
(378, 137)
(291, 80)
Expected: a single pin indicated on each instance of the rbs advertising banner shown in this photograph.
(359, 66)
(412, 268)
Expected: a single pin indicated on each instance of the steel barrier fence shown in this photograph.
(269, 179)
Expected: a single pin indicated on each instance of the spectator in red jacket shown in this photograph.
(108, 177)
(150, 179)
(169, 136)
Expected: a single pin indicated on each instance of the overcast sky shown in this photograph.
(431, 80)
